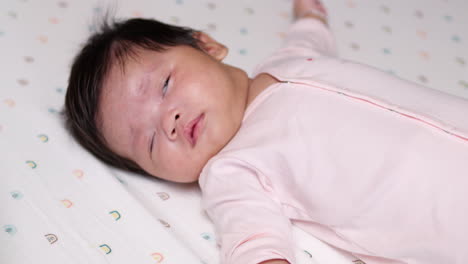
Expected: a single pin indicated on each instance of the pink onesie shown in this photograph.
(358, 158)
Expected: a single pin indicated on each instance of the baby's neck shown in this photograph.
(258, 85)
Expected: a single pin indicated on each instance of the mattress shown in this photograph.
(61, 205)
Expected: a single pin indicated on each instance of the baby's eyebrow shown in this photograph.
(143, 84)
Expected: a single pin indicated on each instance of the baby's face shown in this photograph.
(172, 111)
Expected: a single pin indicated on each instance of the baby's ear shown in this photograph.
(211, 46)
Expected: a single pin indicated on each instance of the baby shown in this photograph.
(368, 163)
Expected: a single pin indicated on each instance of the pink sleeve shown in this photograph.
(310, 35)
(306, 37)
(250, 225)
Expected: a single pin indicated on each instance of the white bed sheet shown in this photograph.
(60, 205)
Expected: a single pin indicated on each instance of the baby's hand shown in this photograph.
(311, 9)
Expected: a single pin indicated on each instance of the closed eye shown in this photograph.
(151, 144)
(166, 85)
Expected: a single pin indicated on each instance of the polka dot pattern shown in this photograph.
(420, 39)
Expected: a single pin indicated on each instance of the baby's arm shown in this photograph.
(307, 38)
(250, 224)
(310, 34)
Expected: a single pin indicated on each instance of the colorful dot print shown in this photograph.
(116, 215)
(31, 164)
(10, 229)
(105, 248)
(400, 33)
(51, 238)
(17, 195)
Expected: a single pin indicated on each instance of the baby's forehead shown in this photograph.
(121, 58)
(122, 67)
(138, 56)
(128, 74)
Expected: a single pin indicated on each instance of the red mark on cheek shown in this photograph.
(310, 59)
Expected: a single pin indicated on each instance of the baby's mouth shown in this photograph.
(193, 129)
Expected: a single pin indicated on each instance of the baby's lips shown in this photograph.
(189, 130)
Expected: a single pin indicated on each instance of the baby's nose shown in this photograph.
(171, 124)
